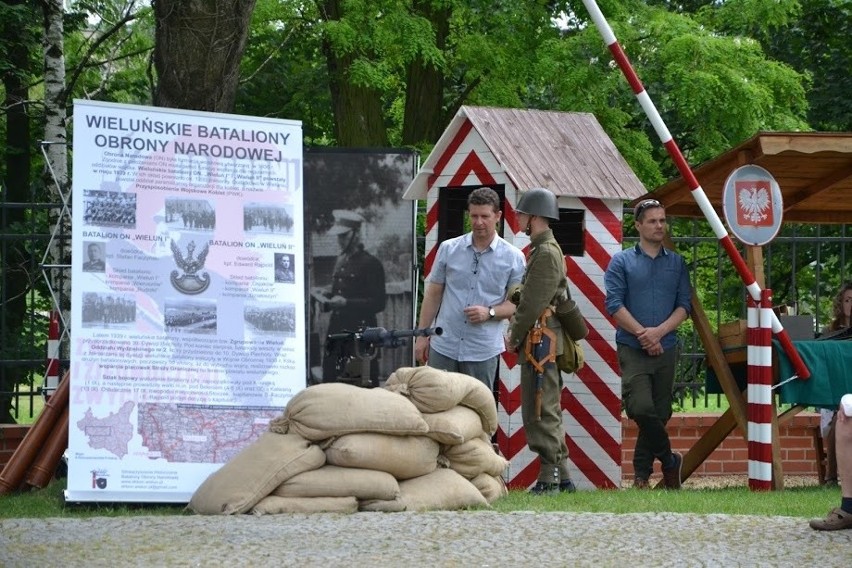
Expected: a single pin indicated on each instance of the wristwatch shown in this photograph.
(491, 312)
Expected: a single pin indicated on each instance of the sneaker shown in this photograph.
(672, 475)
(641, 483)
(567, 486)
(836, 520)
(544, 488)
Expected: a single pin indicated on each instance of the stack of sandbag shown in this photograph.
(462, 417)
(341, 448)
(254, 473)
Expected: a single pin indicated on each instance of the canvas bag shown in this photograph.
(572, 359)
(573, 330)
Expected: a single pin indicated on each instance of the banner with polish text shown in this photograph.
(188, 318)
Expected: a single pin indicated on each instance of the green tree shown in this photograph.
(396, 71)
(18, 49)
(817, 43)
(283, 75)
(713, 91)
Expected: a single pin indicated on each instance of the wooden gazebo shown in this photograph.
(814, 173)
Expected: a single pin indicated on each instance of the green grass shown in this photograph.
(805, 502)
(50, 502)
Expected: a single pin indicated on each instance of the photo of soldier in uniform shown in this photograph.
(94, 256)
(268, 218)
(284, 268)
(187, 315)
(357, 290)
(109, 208)
(270, 319)
(360, 266)
(190, 214)
(108, 310)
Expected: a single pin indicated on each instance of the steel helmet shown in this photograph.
(539, 201)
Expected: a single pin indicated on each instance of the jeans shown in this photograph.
(485, 371)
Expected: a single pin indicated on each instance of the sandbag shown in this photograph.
(334, 481)
(275, 505)
(454, 426)
(492, 487)
(473, 458)
(401, 456)
(382, 506)
(254, 472)
(443, 489)
(434, 390)
(327, 410)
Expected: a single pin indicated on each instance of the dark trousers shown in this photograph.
(646, 390)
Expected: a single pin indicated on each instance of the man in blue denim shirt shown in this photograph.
(648, 295)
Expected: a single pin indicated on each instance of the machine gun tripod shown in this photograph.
(352, 351)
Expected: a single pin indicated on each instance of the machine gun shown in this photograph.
(352, 351)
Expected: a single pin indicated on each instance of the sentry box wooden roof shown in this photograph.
(813, 171)
(566, 152)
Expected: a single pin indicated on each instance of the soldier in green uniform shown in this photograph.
(543, 283)
(357, 291)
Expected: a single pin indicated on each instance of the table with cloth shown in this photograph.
(830, 364)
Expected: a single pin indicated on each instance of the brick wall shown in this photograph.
(10, 436)
(731, 456)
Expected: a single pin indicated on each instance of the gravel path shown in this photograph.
(482, 538)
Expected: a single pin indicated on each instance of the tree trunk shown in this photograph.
(425, 116)
(56, 138)
(359, 119)
(197, 52)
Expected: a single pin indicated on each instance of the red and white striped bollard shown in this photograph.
(760, 393)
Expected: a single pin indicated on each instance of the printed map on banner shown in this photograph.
(111, 433)
(179, 433)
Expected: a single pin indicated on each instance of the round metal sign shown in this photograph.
(752, 204)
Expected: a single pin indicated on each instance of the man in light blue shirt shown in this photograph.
(466, 294)
(649, 296)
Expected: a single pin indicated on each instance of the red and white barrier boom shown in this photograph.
(698, 194)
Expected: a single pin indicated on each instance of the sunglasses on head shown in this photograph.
(647, 204)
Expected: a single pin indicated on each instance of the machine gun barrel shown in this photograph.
(394, 338)
(364, 345)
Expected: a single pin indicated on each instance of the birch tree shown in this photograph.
(56, 152)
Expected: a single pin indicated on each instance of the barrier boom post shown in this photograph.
(698, 194)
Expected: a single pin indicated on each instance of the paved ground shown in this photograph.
(466, 539)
